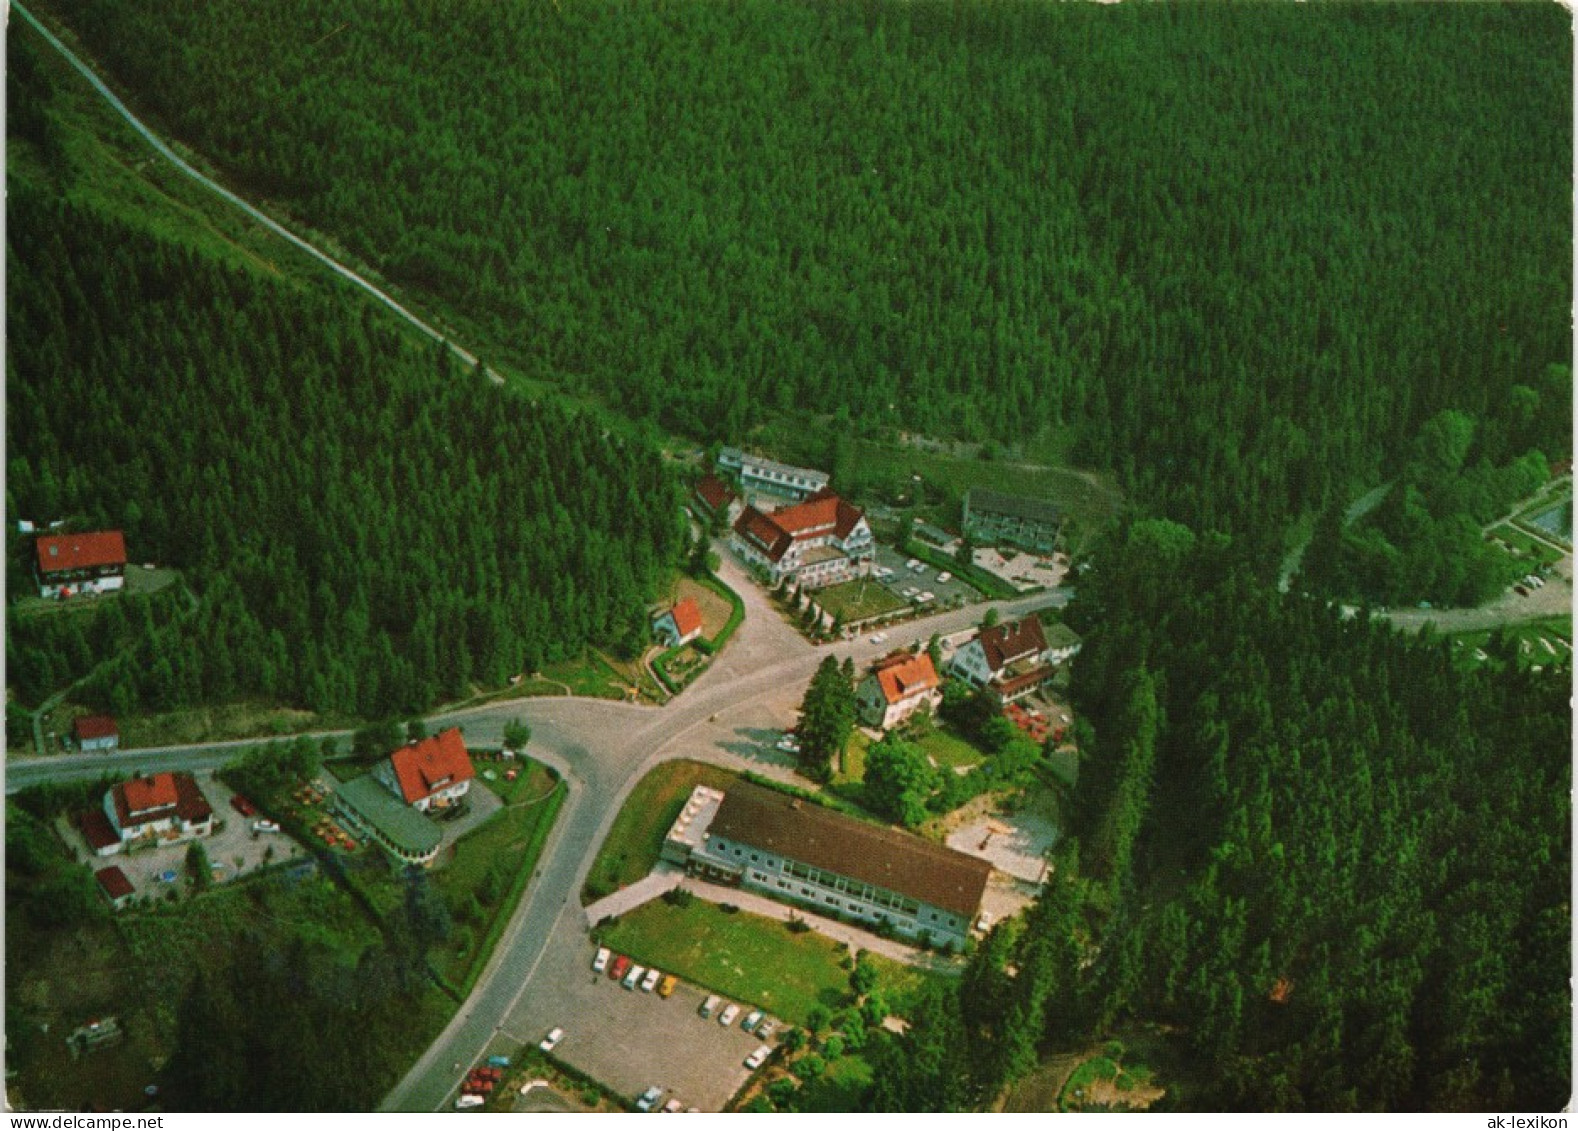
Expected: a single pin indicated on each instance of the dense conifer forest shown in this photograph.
(1334, 862)
(1244, 250)
(368, 528)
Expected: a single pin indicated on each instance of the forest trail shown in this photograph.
(169, 154)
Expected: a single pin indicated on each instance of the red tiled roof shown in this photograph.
(903, 676)
(1032, 678)
(143, 800)
(714, 493)
(114, 882)
(1005, 643)
(425, 767)
(687, 617)
(94, 726)
(821, 513)
(80, 551)
(96, 829)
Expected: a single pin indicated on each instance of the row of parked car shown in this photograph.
(620, 968)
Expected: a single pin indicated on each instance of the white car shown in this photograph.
(727, 1017)
(914, 565)
(944, 577)
(649, 1098)
(879, 638)
(752, 1019)
(649, 983)
(551, 1041)
(469, 1101)
(789, 744)
(600, 963)
(633, 979)
(759, 1057)
(265, 826)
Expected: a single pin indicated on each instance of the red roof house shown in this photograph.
(115, 885)
(897, 686)
(69, 562)
(169, 805)
(96, 732)
(679, 625)
(432, 772)
(817, 541)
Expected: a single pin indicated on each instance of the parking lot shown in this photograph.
(630, 1040)
(908, 584)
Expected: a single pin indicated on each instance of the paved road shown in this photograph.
(231, 198)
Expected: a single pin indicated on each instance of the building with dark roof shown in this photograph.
(800, 852)
(991, 518)
(368, 806)
(1012, 659)
(818, 542)
(71, 564)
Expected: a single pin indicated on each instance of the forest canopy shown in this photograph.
(1243, 251)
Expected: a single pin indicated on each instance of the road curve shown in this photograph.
(231, 198)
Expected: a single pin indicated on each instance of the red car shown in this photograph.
(618, 967)
(243, 806)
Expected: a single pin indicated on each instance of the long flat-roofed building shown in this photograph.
(769, 475)
(800, 852)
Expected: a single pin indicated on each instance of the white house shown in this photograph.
(1011, 659)
(165, 808)
(769, 475)
(818, 542)
(431, 774)
(896, 687)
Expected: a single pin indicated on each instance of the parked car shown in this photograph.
(600, 962)
(879, 638)
(504, 1061)
(752, 1019)
(649, 1098)
(551, 1041)
(469, 1100)
(944, 577)
(265, 827)
(789, 744)
(766, 1029)
(914, 565)
(710, 1005)
(1520, 590)
(672, 1106)
(649, 983)
(633, 978)
(984, 923)
(730, 1012)
(617, 968)
(759, 1057)
(666, 986)
(241, 805)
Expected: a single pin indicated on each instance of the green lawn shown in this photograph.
(592, 677)
(490, 866)
(859, 599)
(950, 751)
(636, 839)
(1528, 550)
(740, 955)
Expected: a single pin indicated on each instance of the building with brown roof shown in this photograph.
(431, 774)
(679, 625)
(800, 852)
(166, 808)
(1012, 659)
(897, 686)
(715, 500)
(95, 732)
(813, 543)
(115, 885)
(72, 564)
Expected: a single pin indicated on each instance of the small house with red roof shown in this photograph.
(817, 542)
(679, 625)
(116, 886)
(897, 686)
(165, 808)
(95, 732)
(1013, 659)
(431, 774)
(72, 564)
(714, 500)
